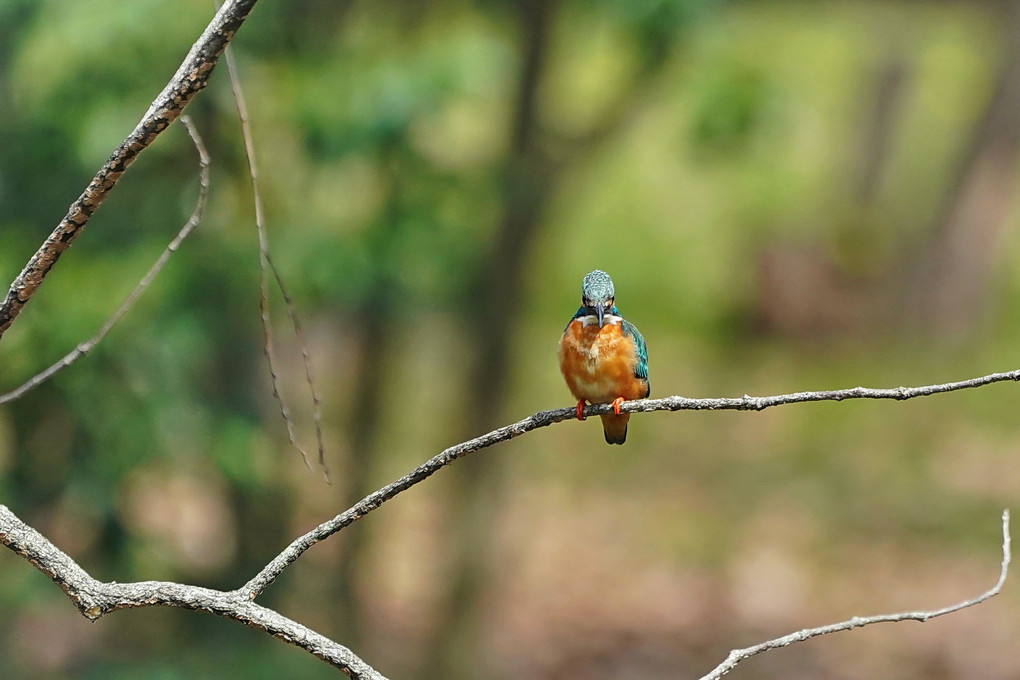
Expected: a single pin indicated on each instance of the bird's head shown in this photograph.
(597, 294)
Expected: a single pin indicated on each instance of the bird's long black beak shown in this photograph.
(600, 312)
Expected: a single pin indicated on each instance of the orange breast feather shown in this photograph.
(598, 363)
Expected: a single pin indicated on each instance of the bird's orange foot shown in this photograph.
(580, 410)
(616, 404)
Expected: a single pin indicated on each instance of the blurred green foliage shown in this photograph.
(729, 163)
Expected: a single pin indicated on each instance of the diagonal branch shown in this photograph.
(85, 347)
(95, 598)
(746, 403)
(738, 655)
(190, 78)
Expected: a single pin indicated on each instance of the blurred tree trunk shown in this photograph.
(948, 285)
(492, 309)
(804, 291)
(375, 322)
(375, 327)
(876, 143)
(941, 282)
(494, 305)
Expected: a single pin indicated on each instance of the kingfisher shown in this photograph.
(603, 356)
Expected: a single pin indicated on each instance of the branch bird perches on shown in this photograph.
(543, 418)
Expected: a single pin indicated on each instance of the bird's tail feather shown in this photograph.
(615, 427)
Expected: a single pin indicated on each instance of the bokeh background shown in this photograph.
(789, 196)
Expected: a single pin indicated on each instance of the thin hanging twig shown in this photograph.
(266, 261)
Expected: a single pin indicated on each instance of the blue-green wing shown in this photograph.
(641, 367)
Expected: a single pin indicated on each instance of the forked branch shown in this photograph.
(95, 598)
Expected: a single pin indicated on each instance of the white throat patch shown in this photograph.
(592, 320)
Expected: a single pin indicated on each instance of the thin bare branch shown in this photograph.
(306, 359)
(746, 403)
(95, 598)
(738, 655)
(129, 302)
(190, 78)
(266, 261)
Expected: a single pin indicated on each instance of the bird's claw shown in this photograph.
(616, 404)
(579, 410)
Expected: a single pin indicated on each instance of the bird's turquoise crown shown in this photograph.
(597, 288)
